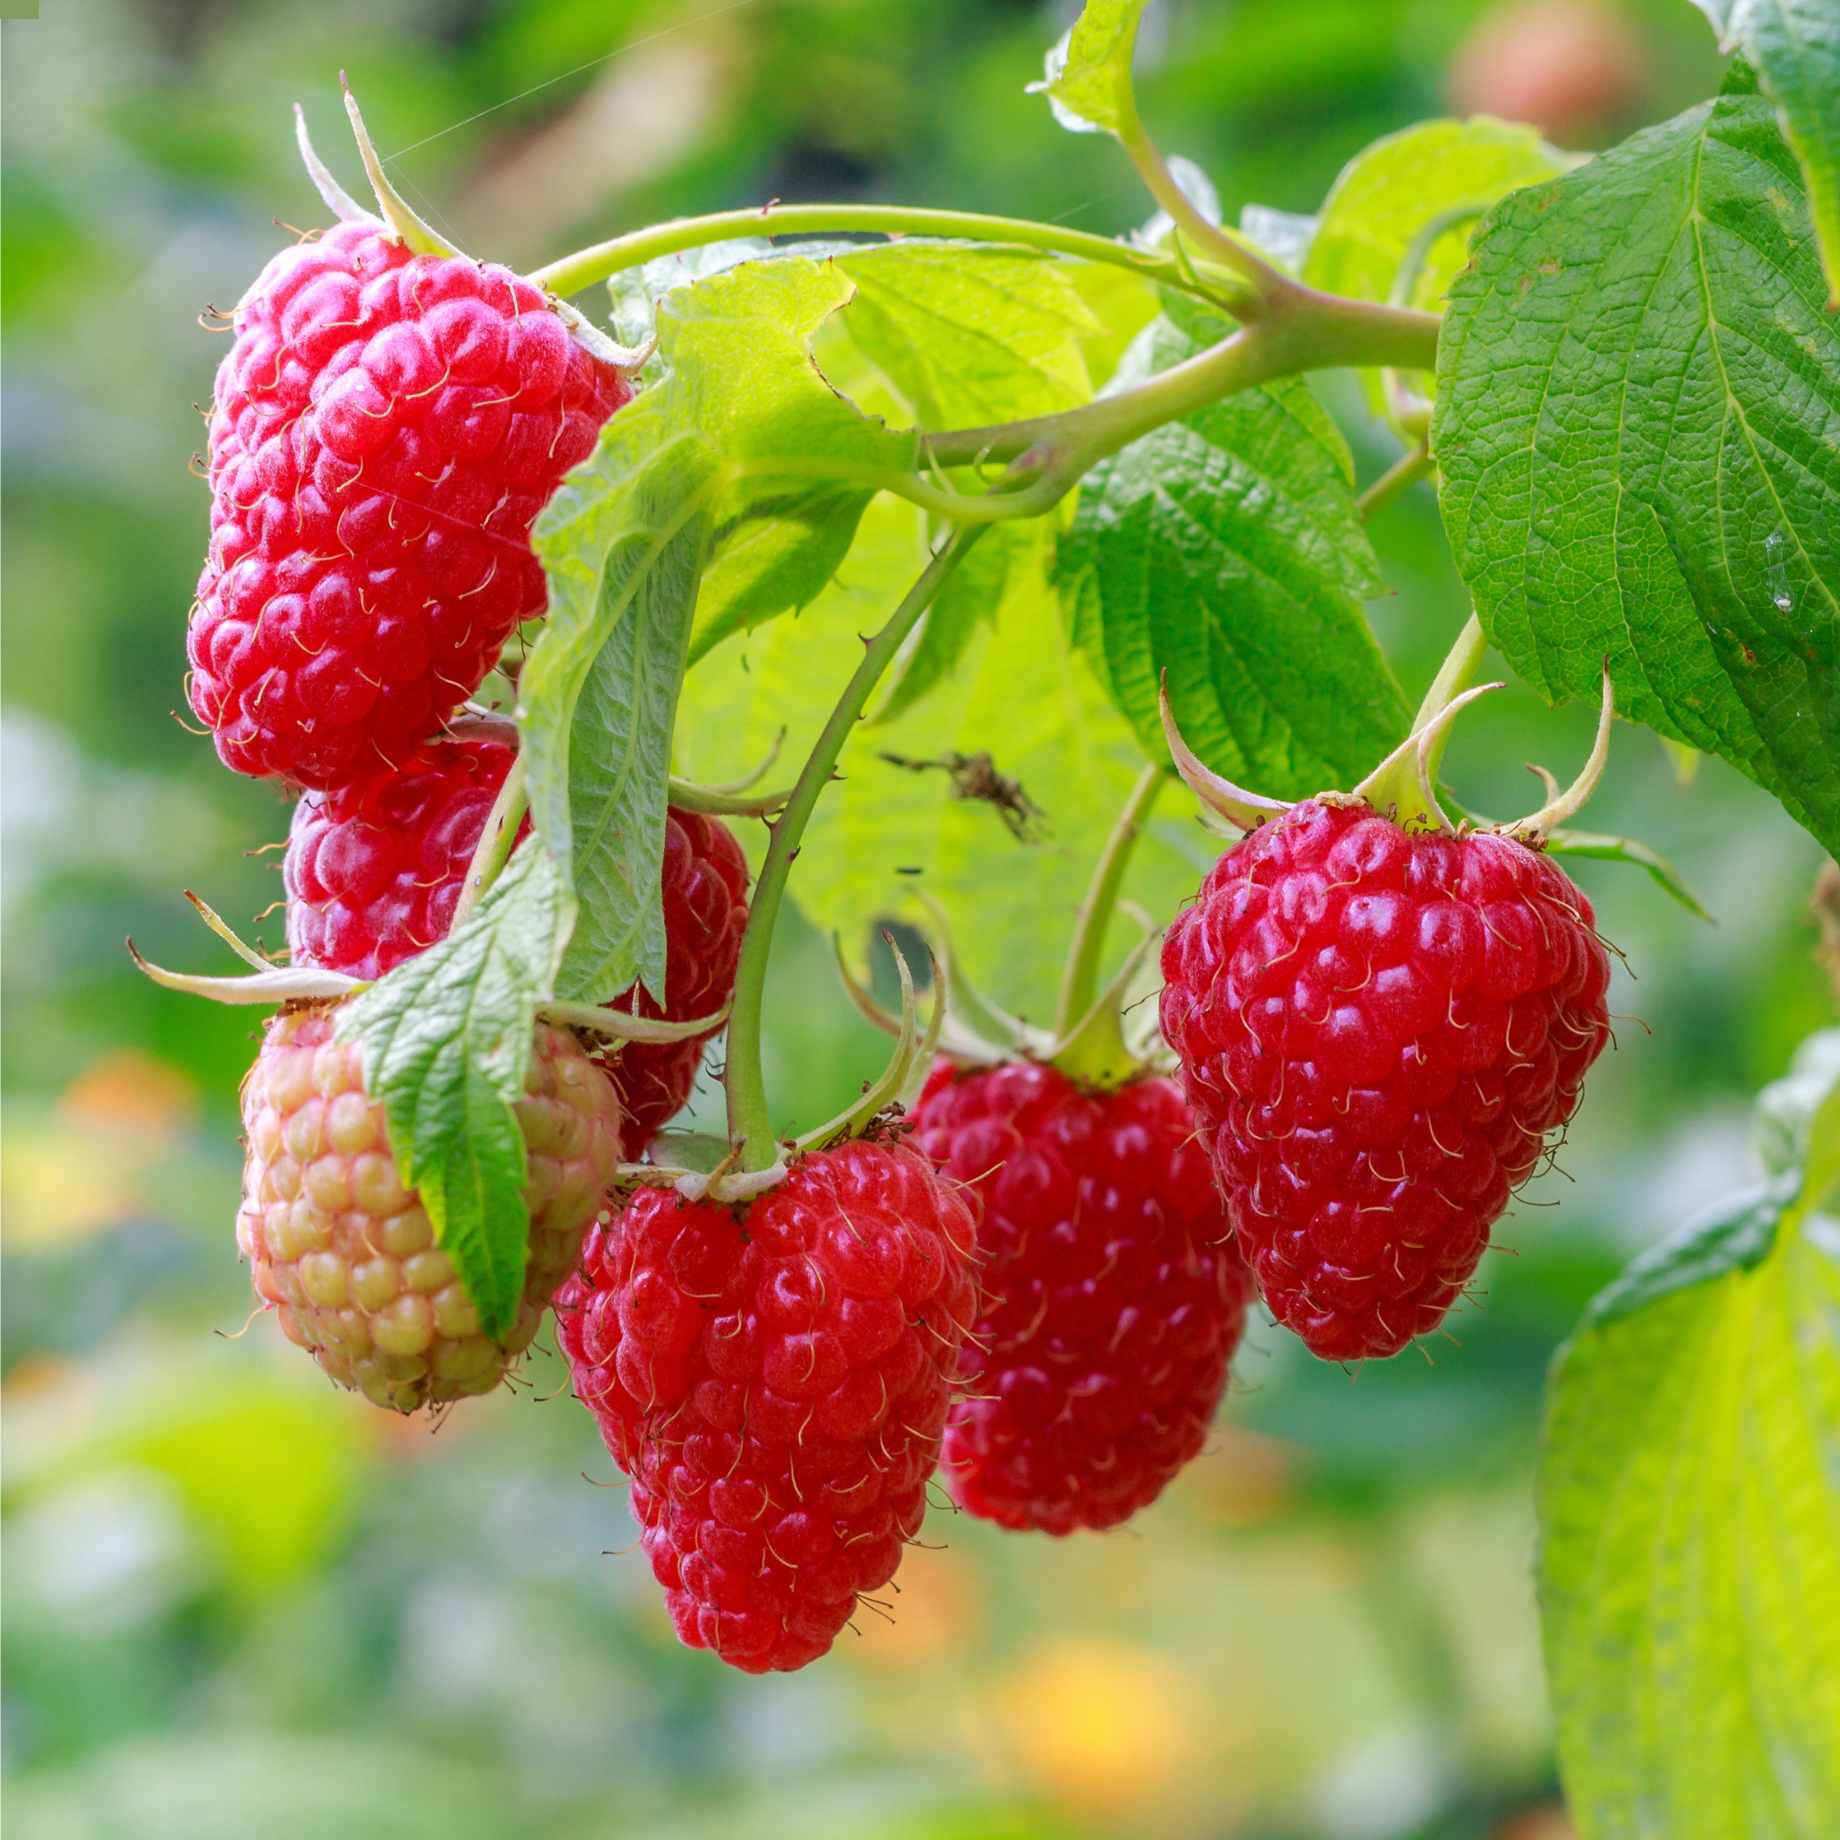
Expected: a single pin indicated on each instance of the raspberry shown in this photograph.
(386, 427)
(344, 1251)
(1113, 1296)
(1377, 1031)
(373, 871)
(774, 1380)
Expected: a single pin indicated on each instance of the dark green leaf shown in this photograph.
(446, 1040)
(1639, 392)
(1795, 47)
(1226, 550)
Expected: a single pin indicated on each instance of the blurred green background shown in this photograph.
(236, 1601)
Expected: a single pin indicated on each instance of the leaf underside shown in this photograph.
(1689, 1499)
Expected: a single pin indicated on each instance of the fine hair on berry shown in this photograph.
(774, 1378)
(384, 430)
(1113, 1295)
(1380, 1032)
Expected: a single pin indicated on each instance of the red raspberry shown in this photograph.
(344, 1251)
(373, 870)
(1113, 1296)
(774, 1380)
(1377, 1031)
(386, 427)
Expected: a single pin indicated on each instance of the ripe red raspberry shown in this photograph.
(774, 1380)
(1113, 1295)
(344, 1251)
(373, 871)
(386, 427)
(1377, 1031)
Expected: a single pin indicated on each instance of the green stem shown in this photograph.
(1306, 330)
(496, 841)
(750, 1122)
(1396, 782)
(1407, 470)
(1454, 675)
(1265, 281)
(1080, 980)
(571, 274)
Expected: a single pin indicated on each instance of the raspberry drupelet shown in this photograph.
(774, 1378)
(385, 428)
(1379, 1031)
(343, 1250)
(374, 869)
(1114, 1298)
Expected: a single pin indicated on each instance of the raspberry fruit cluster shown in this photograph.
(1379, 1032)
(775, 1380)
(1114, 1297)
(384, 430)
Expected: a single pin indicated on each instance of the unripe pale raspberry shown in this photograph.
(385, 428)
(1113, 1296)
(1378, 1030)
(373, 871)
(344, 1252)
(774, 1379)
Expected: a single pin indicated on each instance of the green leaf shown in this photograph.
(1795, 46)
(1690, 1520)
(883, 832)
(1398, 221)
(1007, 558)
(966, 334)
(1639, 387)
(1088, 81)
(936, 334)
(953, 335)
(445, 1041)
(742, 452)
(1226, 550)
(620, 738)
(1391, 193)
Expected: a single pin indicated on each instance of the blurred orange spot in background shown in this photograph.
(130, 1090)
(937, 1609)
(1242, 1478)
(80, 1167)
(1574, 68)
(1105, 1727)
